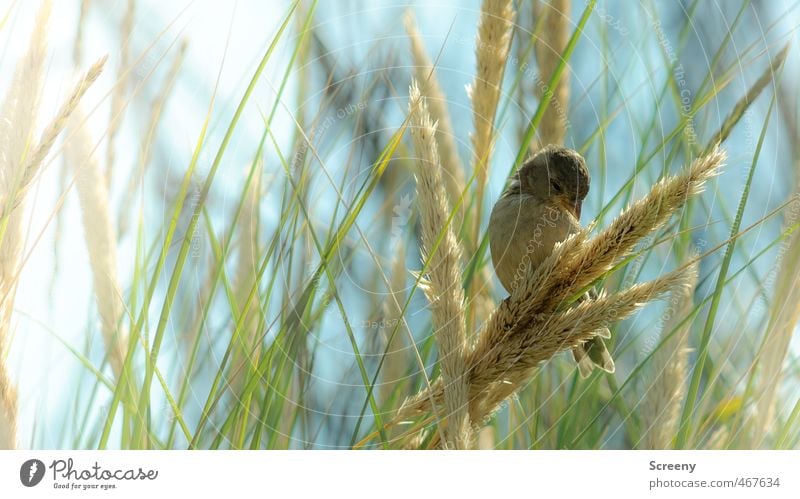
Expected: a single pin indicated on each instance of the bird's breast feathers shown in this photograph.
(523, 231)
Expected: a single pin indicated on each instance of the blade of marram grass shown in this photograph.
(268, 120)
(636, 371)
(552, 83)
(537, 117)
(304, 29)
(685, 427)
(187, 240)
(790, 424)
(326, 255)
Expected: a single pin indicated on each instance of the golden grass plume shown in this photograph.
(118, 103)
(661, 407)
(554, 17)
(784, 316)
(539, 319)
(424, 72)
(443, 283)
(492, 48)
(17, 122)
(101, 239)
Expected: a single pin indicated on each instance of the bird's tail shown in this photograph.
(594, 353)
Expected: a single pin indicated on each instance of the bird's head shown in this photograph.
(556, 175)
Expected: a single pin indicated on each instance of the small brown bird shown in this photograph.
(541, 207)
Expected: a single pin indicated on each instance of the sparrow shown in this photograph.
(542, 206)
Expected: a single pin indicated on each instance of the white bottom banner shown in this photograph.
(402, 474)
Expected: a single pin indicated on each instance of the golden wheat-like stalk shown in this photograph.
(614, 243)
(493, 45)
(530, 345)
(537, 320)
(157, 107)
(46, 143)
(245, 279)
(443, 284)
(661, 408)
(100, 238)
(77, 48)
(424, 72)
(56, 126)
(554, 18)
(453, 170)
(120, 89)
(8, 409)
(497, 369)
(18, 113)
(784, 316)
(744, 103)
(394, 365)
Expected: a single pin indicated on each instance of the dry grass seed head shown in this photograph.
(443, 287)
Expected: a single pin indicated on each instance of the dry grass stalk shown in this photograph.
(100, 238)
(424, 72)
(718, 439)
(637, 221)
(453, 171)
(497, 368)
(486, 438)
(146, 146)
(77, 49)
(56, 126)
(512, 363)
(744, 103)
(535, 323)
(443, 285)
(18, 114)
(17, 122)
(245, 278)
(554, 16)
(784, 316)
(662, 404)
(120, 89)
(493, 45)
(8, 410)
(396, 358)
(46, 143)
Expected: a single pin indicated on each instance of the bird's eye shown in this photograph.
(555, 185)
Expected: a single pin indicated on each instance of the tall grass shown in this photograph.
(339, 294)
